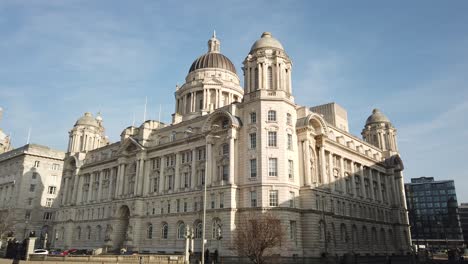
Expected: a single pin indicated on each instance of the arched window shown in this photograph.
(164, 231)
(78, 233)
(98, 233)
(270, 78)
(344, 233)
(382, 236)
(256, 84)
(365, 236)
(181, 231)
(88, 232)
(199, 230)
(149, 231)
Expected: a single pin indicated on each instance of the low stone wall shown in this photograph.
(349, 259)
(104, 259)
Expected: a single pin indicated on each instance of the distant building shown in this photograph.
(463, 211)
(433, 213)
(30, 179)
(5, 141)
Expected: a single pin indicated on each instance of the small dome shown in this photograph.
(377, 117)
(213, 60)
(87, 120)
(266, 41)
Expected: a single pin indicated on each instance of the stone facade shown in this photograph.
(256, 150)
(30, 178)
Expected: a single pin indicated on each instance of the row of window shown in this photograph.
(54, 166)
(271, 117)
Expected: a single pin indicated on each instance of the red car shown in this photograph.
(68, 252)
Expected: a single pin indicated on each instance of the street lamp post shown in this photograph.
(204, 188)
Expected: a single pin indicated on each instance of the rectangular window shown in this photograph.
(178, 205)
(32, 187)
(201, 154)
(185, 206)
(226, 149)
(34, 175)
(253, 198)
(36, 164)
(253, 168)
(47, 216)
(271, 115)
(49, 202)
(55, 167)
(51, 190)
(186, 180)
(292, 197)
(168, 207)
(288, 119)
(290, 169)
(226, 173)
(253, 118)
(253, 140)
(30, 200)
(273, 167)
(273, 198)
(27, 215)
(290, 142)
(292, 230)
(213, 201)
(272, 138)
(221, 200)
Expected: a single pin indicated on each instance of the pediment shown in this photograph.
(213, 81)
(129, 146)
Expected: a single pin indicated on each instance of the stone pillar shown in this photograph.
(90, 187)
(341, 175)
(361, 172)
(146, 178)
(331, 179)
(99, 194)
(306, 158)
(79, 189)
(141, 176)
(323, 165)
(162, 175)
(30, 247)
(110, 195)
(209, 161)
(74, 198)
(277, 78)
(371, 182)
(231, 159)
(194, 169)
(353, 180)
(379, 187)
(260, 76)
(177, 180)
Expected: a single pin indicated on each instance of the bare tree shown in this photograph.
(7, 225)
(256, 235)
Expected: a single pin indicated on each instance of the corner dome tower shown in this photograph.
(87, 134)
(211, 83)
(380, 132)
(267, 70)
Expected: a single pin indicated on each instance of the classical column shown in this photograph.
(194, 169)
(146, 178)
(99, 194)
(331, 179)
(371, 182)
(323, 165)
(379, 187)
(341, 175)
(306, 161)
(209, 160)
(289, 81)
(111, 183)
(162, 175)
(353, 180)
(277, 71)
(177, 180)
(140, 176)
(361, 173)
(231, 159)
(79, 188)
(260, 76)
(90, 187)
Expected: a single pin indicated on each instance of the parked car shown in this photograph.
(41, 251)
(68, 252)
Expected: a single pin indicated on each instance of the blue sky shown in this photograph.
(60, 59)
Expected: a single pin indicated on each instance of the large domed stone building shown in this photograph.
(255, 149)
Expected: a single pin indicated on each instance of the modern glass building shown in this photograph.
(463, 211)
(433, 213)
